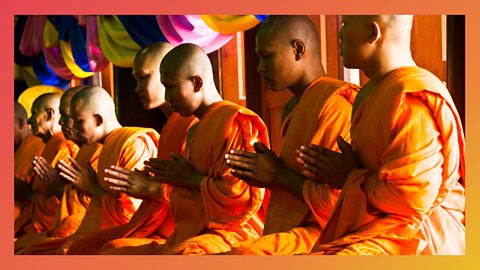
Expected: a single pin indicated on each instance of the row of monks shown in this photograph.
(376, 170)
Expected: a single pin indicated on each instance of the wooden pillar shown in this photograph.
(456, 61)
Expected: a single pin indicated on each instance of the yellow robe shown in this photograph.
(127, 147)
(292, 226)
(410, 198)
(153, 220)
(39, 215)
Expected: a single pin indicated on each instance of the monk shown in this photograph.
(44, 121)
(93, 112)
(211, 208)
(298, 208)
(403, 177)
(26, 147)
(153, 220)
(73, 202)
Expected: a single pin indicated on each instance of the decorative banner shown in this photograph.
(20, 59)
(96, 59)
(230, 24)
(52, 52)
(32, 34)
(30, 94)
(179, 29)
(72, 40)
(117, 45)
(26, 73)
(45, 74)
(144, 30)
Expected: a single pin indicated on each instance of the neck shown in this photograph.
(311, 74)
(387, 63)
(112, 126)
(166, 109)
(208, 100)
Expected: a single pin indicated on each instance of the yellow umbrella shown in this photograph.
(30, 94)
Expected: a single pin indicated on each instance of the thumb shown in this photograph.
(176, 156)
(260, 147)
(344, 146)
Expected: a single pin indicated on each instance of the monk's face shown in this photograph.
(66, 120)
(180, 91)
(39, 121)
(149, 89)
(354, 36)
(276, 59)
(85, 124)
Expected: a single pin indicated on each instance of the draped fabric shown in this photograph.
(96, 58)
(230, 24)
(142, 29)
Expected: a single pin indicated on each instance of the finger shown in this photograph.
(156, 164)
(260, 147)
(154, 171)
(344, 146)
(242, 153)
(309, 175)
(318, 161)
(116, 182)
(120, 169)
(66, 169)
(240, 165)
(38, 170)
(177, 157)
(117, 175)
(119, 189)
(74, 163)
(247, 177)
(313, 169)
(234, 157)
(68, 178)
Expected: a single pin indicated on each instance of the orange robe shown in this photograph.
(225, 210)
(153, 220)
(30, 147)
(410, 198)
(292, 226)
(39, 215)
(127, 147)
(73, 205)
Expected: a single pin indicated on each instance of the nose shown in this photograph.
(261, 67)
(138, 88)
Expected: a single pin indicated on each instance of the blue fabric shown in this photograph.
(45, 74)
(144, 29)
(261, 18)
(19, 58)
(69, 30)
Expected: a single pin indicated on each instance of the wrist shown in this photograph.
(154, 190)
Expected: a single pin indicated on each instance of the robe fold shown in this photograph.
(292, 226)
(127, 147)
(410, 196)
(225, 209)
(39, 215)
(30, 147)
(153, 220)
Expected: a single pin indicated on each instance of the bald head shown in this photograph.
(146, 71)
(93, 112)
(289, 53)
(45, 116)
(186, 73)
(66, 121)
(287, 28)
(21, 128)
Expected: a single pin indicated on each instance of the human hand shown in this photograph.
(48, 175)
(328, 166)
(136, 183)
(84, 178)
(258, 169)
(176, 172)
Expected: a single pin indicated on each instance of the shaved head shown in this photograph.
(146, 71)
(21, 128)
(186, 73)
(93, 112)
(66, 120)
(45, 116)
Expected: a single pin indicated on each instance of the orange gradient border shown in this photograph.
(471, 8)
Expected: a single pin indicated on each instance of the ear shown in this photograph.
(50, 112)
(298, 48)
(197, 83)
(375, 33)
(21, 123)
(99, 119)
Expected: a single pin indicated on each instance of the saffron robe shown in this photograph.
(292, 226)
(30, 147)
(127, 147)
(39, 215)
(410, 196)
(153, 220)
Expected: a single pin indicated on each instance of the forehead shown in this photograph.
(270, 38)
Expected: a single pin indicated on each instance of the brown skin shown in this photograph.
(146, 71)
(45, 116)
(21, 128)
(186, 73)
(94, 117)
(377, 45)
(289, 58)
